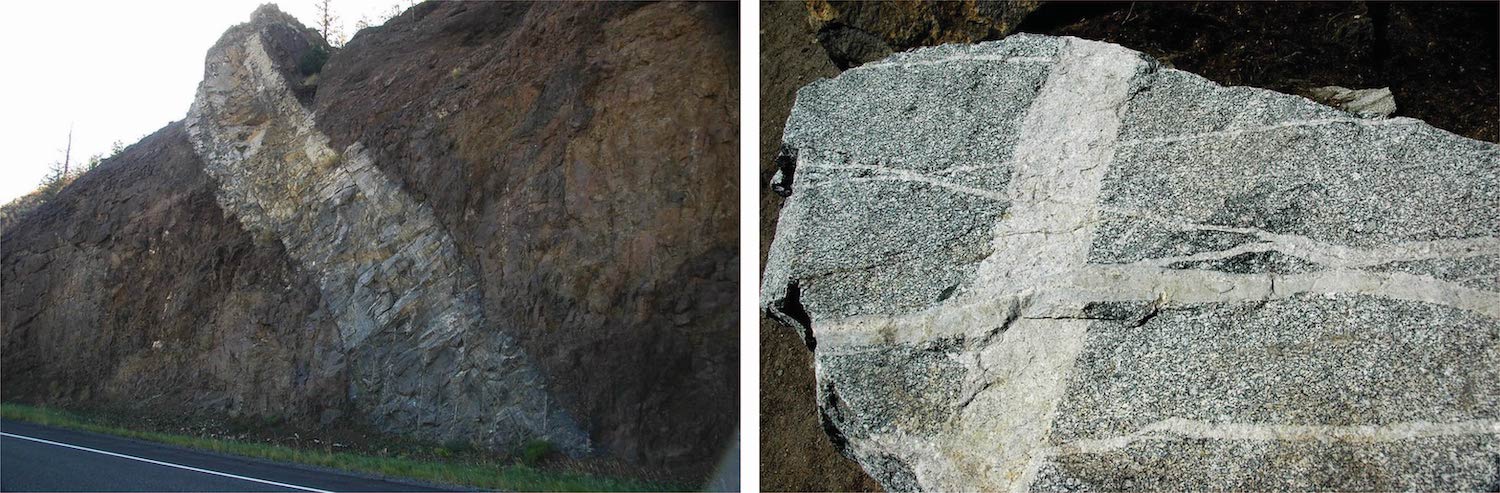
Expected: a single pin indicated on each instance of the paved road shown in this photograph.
(41, 458)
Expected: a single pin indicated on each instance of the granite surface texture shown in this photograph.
(1049, 263)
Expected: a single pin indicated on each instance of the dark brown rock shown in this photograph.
(587, 170)
(581, 157)
(133, 288)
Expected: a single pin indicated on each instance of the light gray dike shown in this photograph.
(1049, 264)
(421, 358)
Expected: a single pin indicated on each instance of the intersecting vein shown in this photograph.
(896, 174)
(1197, 429)
(1328, 254)
(1064, 295)
(1266, 128)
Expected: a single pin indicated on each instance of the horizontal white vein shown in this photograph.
(1266, 128)
(1187, 428)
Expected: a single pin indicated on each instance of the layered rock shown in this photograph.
(587, 172)
(1048, 263)
(133, 287)
(424, 361)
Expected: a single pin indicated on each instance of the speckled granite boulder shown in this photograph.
(1050, 264)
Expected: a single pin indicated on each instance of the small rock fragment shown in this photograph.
(1367, 103)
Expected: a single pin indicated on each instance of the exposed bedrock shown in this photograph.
(583, 157)
(482, 222)
(133, 287)
(1050, 264)
(423, 359)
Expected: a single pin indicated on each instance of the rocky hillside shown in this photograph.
(480, 222)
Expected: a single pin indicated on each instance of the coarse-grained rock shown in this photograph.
(1052, 264)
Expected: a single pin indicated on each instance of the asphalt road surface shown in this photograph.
(42, 458)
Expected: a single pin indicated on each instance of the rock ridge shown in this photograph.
(422, 358)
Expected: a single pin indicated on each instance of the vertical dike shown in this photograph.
(1066, 146)
(421, 357)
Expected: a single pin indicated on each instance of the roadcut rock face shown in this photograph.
(424, 361)
(1050, 264)
(486, 223)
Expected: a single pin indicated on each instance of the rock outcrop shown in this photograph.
(133, 286)
(480, 222)
(1051, 264)
(423, 359)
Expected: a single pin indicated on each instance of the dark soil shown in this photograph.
(1439, 59)
(795, 454)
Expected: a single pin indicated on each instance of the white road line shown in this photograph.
(168, 464)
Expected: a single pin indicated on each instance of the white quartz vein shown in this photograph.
(1195, 429)
(1320, 252)
(960, 59)
(1267, 128)
(892, 174)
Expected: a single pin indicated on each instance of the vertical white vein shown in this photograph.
(1066, 144)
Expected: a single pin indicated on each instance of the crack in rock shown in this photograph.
(1130, 209)
(422, 359)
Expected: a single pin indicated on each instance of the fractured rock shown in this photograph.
(452, 237)
(1052, 264)
(423, 359)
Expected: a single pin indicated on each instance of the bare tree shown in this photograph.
(328, 23)
(68, 153)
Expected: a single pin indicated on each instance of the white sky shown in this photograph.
(115, 70)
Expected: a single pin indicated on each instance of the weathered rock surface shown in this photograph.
(587, 173)
(423, 359)
(1048, 263)
(481, 222)
(133, 286)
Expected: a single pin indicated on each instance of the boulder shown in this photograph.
(1053, 264)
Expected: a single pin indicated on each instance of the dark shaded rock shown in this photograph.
(586, 171)
(133, 288)
(484, 222)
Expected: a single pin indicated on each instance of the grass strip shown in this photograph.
(513, 477)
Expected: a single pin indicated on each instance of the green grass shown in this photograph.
(487, 476)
